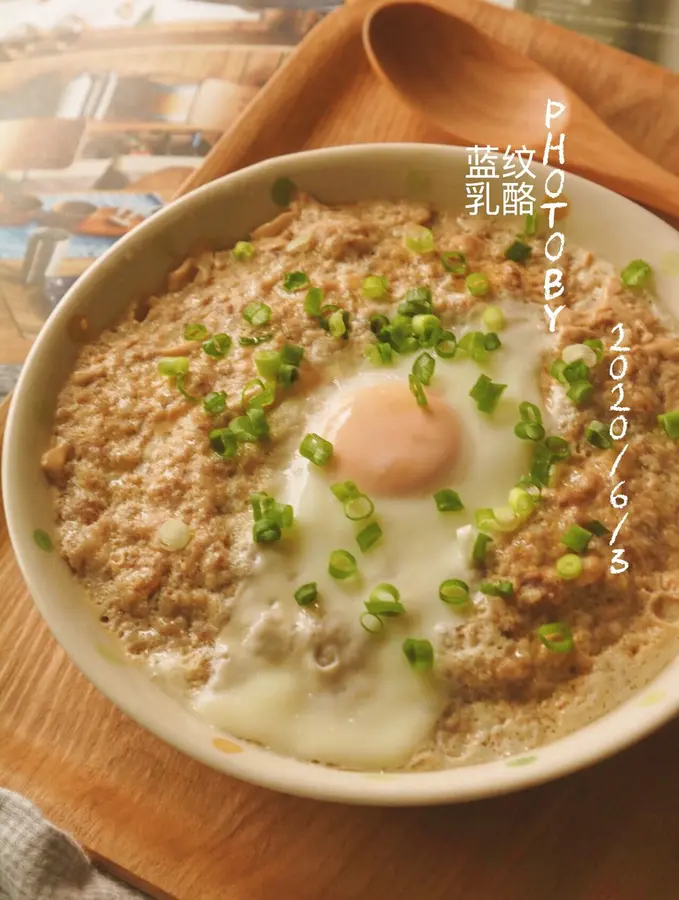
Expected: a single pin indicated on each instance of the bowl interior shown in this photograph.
(215, 216)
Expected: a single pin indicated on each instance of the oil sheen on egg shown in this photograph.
(311, 682)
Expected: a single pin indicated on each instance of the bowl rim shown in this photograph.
(347, 786)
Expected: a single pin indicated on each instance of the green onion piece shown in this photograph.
(596, 345)
(454, 261)
(257, 313)
(294, 281)
(371, 623)
(480, 548)
(385, 601)
(454, 592)
(342, 564)
(306, 594)
(487, 394)
(670, 422)
(419, 653)
(506, 519)
(577, 538)
(258, 422)
(243, 250)
(531, 225)
(368, 536)
(282, 191)
(264, 506)
(266, 530)
(557, 637)
(474, 343)
(448, 501)
(182, 390)
(292, 354)
(254, 341)
(497, 588)
(313, 301)
(636, 273)
(43, 540)
(358, 507)
(518, 252)
(576, 371)
(529, 431)
(417, 301)
(258, 394)
(556, 370)
(419, 239)
(598, 435)
(580, 392)
(569, 566)
(173, 365)
(379, 354)
(268, 363)
(558, 447)
(375, 287)
(417, 390)
(427, 329)
(288, 375)
(423, 368)
(223, 442)
(447, 345)
(316, 449)
(485, 518)
(491, 341)
(242, 430)
(378, 323)
(597, 528)
(215, 403)
(521, 502)
(493, 318)
(477, 284)
(345, 490)
(217, 346)
(541, 465)
(337, 324)
(195, 332)
(385, 592)
(529, 412)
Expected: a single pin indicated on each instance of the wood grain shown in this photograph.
(178, 829)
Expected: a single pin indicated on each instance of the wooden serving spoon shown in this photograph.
(482, 92)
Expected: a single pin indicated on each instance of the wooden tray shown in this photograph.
(178, 829)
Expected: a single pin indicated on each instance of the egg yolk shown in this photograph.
(391, 447)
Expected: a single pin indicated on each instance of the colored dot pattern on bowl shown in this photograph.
(43, 540)
(282, 191)
(652, 698)
(226, 746)
(521, 761)
(111, 654)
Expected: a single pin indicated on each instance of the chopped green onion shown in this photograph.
(294, 281)
(531, 224)
(569, 566)
(454, 261)
(383, 603)
(454, 592)
(378, 323)
(266, 531)
(577, 538)
(541, 465)
(487, 394)
(215, 403)
(375, 287)
(316, 449)
(447, 345)
(580, 392)
(636, 273)
(182, 390)
(417, 301)
(257, 313)
(270, 517)
(371, 623)
(223, 442)
(345, 490)
(491, 341)
(670, 422)
(43, 540)
(448, 501)
(428, 329)
(251, 426)
(268, 363)
(521, 501)
(493, 318)
(306, 594)
(419, 239)
(477, 284)
(342, 564)
(518, 252)
(485, 518)
(287, 375)
(529, 412)
(558, 447)
(195, 332)
(529, 431)
(368, 536)
(556, 370)
(217, 346)
(173, 365)
(480, 548)
(257, 394)
(243, 251)
(576, 371)
(598, 435)
(423, 368)
(419, 653)
(417, 390)
(358, 507)
(506, 519)
(557, 637)
(292, 354)
(246, 341)
(474, 343)
(313, 301)
(385, 592)
(379, 354)
(597, 528)
(337, 325)
(497, 588)
(575, 352)
(596, 345)
(282, 191)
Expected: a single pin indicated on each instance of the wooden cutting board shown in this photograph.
(178, 829)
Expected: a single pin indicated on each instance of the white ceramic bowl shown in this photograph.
(221, 213)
